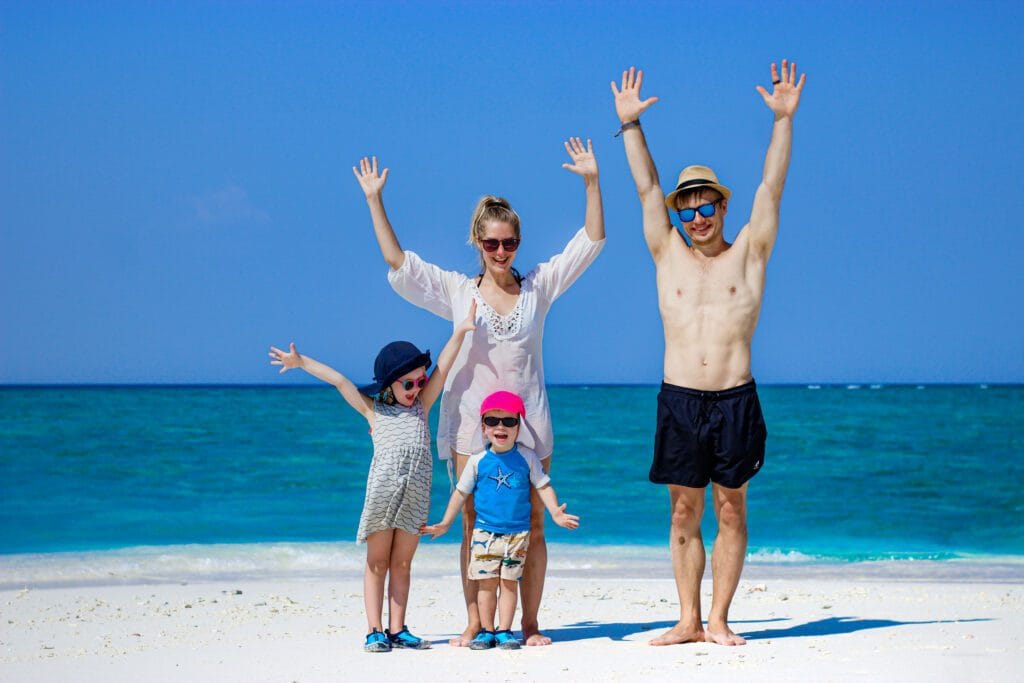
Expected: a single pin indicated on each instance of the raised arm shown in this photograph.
(584, 164)
(558, 514)
(446, 359)
(629, 107)
(783, 101)
(373, 188)
(292, 359)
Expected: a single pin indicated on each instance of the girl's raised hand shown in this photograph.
(469, 324)
(369, 180)
(287, 361)
(584, 162)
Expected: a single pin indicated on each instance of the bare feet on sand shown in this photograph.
(535, 638)
(723, 636)
(679, 633)
(464, 640)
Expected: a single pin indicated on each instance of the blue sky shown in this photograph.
(176, 192)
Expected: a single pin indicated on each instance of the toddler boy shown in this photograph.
(499, 479)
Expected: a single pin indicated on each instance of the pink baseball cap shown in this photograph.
(503, 400)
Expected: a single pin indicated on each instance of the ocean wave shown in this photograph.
(163, 564)
(774, 555)
(339, 560)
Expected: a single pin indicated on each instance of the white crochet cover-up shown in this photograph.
(398, 486)
(505, 353)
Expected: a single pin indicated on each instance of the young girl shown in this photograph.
(396, 406)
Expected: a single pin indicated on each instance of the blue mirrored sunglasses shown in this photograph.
(706, 210)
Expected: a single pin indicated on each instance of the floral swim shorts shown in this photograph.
(494, 556)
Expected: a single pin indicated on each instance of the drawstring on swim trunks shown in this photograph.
(707, 402)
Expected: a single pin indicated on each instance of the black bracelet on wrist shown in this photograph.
(626, 126)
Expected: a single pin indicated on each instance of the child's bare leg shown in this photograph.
(468, 587)
(378, 558)
(507, 604)
(403, 547)
(486, 601)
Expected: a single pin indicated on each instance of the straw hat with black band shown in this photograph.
(693, 177)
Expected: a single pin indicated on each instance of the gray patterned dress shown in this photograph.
(398, 486)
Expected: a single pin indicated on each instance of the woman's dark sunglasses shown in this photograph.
(507, 421)
(408, 384)
(511, 244)
(706, 210)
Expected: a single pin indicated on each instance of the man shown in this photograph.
(710, 427)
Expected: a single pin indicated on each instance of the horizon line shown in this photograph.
(568, 385)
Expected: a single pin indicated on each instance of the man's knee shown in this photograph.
(732, 518)
(686, 514)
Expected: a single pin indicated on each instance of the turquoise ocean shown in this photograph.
(852, 473)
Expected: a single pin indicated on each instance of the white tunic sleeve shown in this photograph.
(426, 285)
(553, 277)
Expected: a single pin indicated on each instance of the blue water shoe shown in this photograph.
(483, 641)
(407, 640)
(377, 642)
(505, 640)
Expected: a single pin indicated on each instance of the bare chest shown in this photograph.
(720, 288)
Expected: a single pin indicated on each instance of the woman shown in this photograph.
(505, 351)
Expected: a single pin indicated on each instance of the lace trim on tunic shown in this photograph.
(502, 327)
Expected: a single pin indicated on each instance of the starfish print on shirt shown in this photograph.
(501, 478)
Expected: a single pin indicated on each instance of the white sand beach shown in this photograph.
(907, 621)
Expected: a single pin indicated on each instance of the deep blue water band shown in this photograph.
(850, 473)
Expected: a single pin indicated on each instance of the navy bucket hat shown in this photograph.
(394, 360)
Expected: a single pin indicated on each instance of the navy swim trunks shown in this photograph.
(707, 436)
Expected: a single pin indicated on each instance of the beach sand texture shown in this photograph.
(842, 627)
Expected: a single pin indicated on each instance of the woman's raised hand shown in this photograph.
(584, 163)
(369, 180)
(287, 360)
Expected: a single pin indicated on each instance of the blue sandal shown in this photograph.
(407, 640)
(377, 642)
(483, 641)
(506, 641)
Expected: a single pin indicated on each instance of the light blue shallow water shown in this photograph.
(850, 474)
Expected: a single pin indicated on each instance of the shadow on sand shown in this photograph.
(583, 630)
(834, 626)
(831, 626)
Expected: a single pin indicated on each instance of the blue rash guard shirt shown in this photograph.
(500, 484)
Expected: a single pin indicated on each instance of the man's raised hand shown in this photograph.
(785, 97)
(628, 104)
(369, 180)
